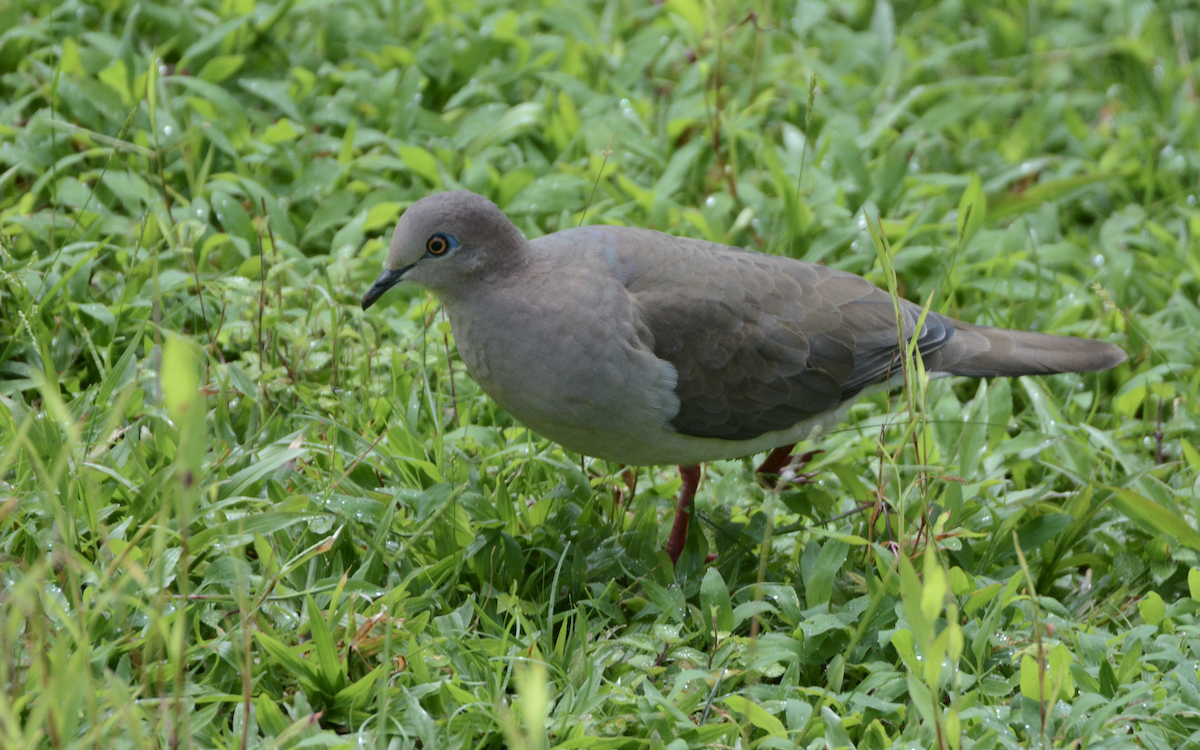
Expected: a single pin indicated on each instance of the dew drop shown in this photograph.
(710, 201)
(1097, 260)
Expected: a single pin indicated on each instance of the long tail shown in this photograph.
(983, 352)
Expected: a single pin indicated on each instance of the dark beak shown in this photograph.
(386, 281)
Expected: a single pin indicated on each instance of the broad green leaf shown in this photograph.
(818, 583)
(69, 61)
(422, 163)
(999, 410)
(933, 593)
(282, 131)
(346, 152)
(1152, 608)
(382, 215)
(116, 75)
(1043, 193)
(180, 382)
(241, 381)
(331, 673)
(953, 727)
(1131, 663)
(533, 699)
(288, 657)
(100, 313)
(981, 597)
(1134, 391)
(922, 698)
(972, 210)
(592, 743)
(756, 715)
(670, 600)
(835, 733)
(360, 691)
(269, 461)
(233, 217)
(902, 640)
(1060, 672)
(1109, 682)
(1153, 517)
(692, 13)
(219, 68)
(974, 434)
(715, 601)
(910, 593)
(853, 483)
(1190, 453)
(960, 582)
(270, 718)
(1034, 684)
(273, 92)
(235, 533)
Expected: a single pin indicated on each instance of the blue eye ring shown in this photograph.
(440, 244)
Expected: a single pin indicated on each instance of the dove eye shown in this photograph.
(439, 243)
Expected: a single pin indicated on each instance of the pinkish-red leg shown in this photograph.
(690, 476)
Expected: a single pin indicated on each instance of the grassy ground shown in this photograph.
(236, 511)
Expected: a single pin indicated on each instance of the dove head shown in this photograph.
(446, 241)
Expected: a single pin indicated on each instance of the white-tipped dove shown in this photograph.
(642, 348)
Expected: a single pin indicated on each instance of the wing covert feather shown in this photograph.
(761, 343)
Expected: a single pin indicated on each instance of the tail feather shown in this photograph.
(983, 352)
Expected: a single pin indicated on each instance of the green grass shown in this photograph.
(236, 511)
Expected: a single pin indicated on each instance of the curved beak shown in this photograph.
(386, 281)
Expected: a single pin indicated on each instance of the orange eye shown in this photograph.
(437, 244)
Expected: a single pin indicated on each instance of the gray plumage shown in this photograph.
(642, 348)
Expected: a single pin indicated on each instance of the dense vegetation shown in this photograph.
(236, 511)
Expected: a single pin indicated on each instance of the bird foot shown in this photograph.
(783, 464)
(776, 460)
